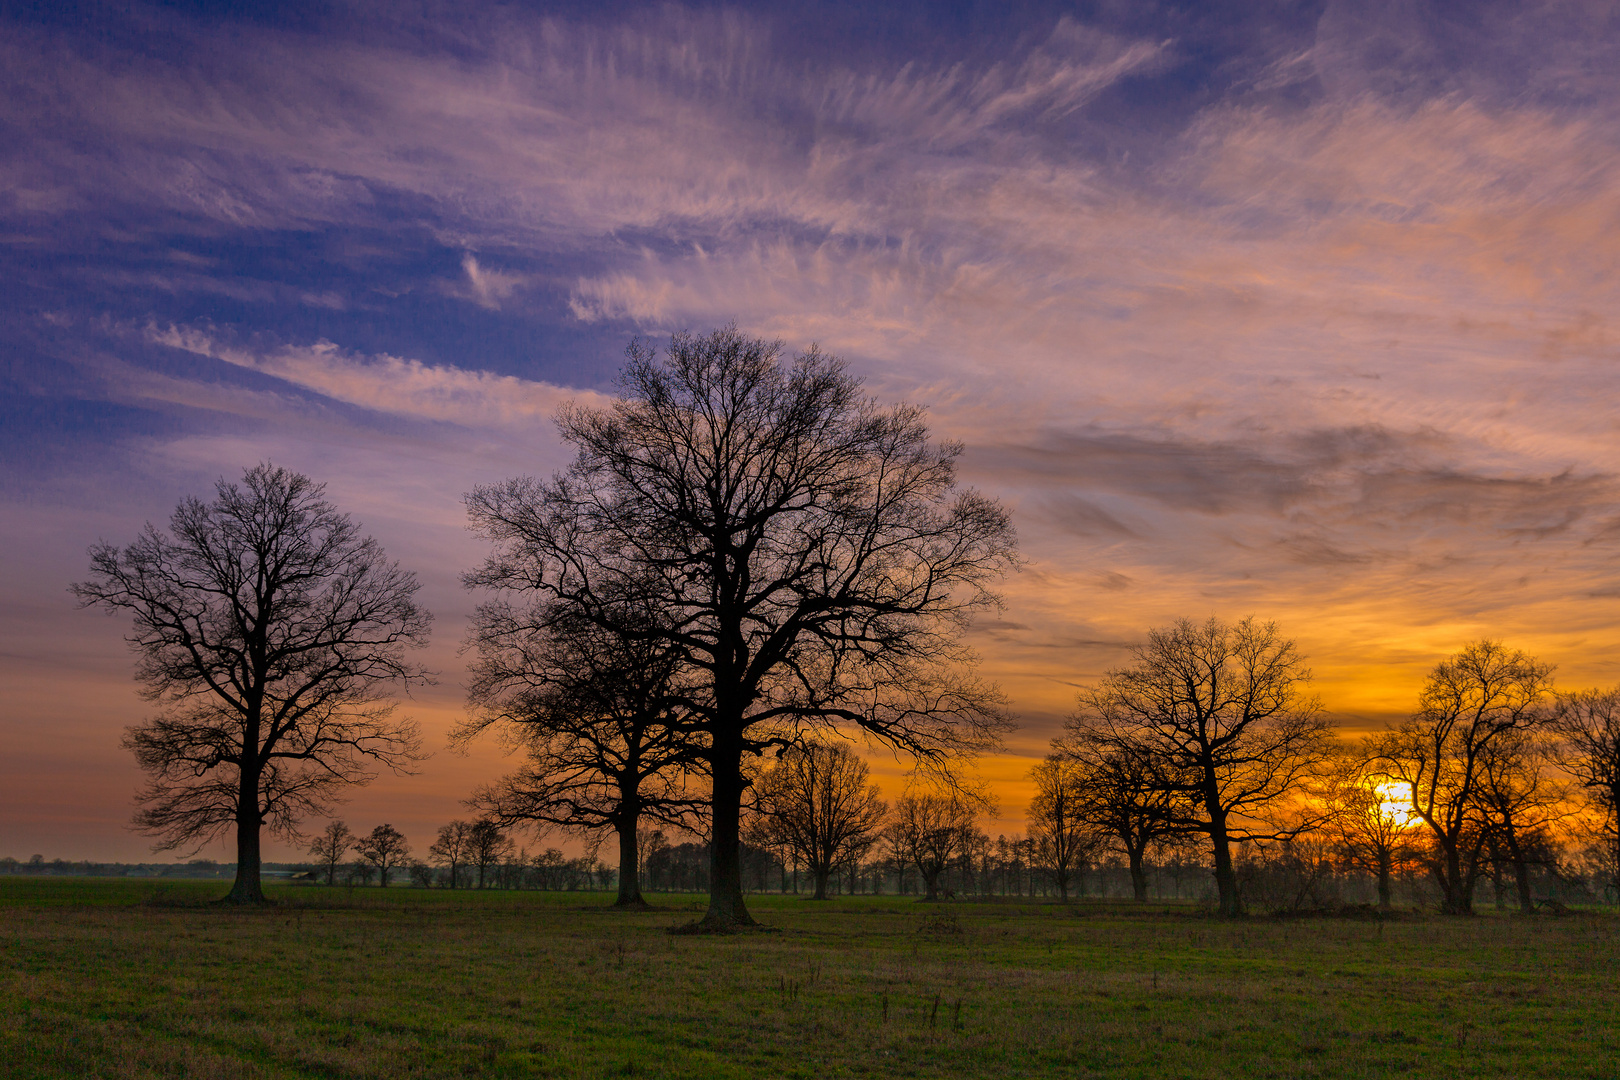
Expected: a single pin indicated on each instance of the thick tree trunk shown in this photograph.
(1228, 902)
(382, 873)
(629, 867)
(1459, 896)
(247, 888)
(1383, 881)
(1138, 876)
(727, 912)
(822, 874)
(930, 883)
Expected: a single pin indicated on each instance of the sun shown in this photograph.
(1393, 803)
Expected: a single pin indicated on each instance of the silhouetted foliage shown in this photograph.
(1061, 835)
(1588, 722)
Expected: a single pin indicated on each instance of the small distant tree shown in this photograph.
(1064, 840)
(1217, 714)
(487, 846)
(1588, 723)
(384, 848)
(1373, 832)
(1118, 794)
(932, 826)
(453, 848)
(268, 630)
(819, 804)
(1473, 699)
(330, 847)
(421, 874)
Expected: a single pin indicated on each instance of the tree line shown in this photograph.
(748, 567)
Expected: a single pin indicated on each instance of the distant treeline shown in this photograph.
(196, 868)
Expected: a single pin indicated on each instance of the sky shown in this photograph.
(1299, 310)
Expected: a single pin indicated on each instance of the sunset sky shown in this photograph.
(1298, 310)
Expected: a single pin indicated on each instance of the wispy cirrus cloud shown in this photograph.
(390, 384)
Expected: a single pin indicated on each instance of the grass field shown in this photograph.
(114, 978)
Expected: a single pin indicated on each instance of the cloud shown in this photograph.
(390, 384)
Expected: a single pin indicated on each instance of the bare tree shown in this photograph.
(1064, 839)
(594, 710)
(1218, 714)
(330, 847)
(811, 552)
(1521, 801)
(1472, 699)
(1588, 722)
(487, 845)
(818, 804)
(385, 848)
(453, 848)
(1118, 794)
(932, 825)
(1373, 832)
(268, 629)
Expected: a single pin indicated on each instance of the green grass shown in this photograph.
(108, 978)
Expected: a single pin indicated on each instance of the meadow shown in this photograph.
(120, 978)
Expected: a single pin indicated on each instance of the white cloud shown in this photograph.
(391, 384)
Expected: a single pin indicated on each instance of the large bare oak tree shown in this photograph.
(811, 552)
(268, 630)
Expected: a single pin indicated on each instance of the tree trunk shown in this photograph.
(822, 874)
(930, 883)
(1383, 881)
(1521, 874)
(1229, 903)
(1138, 876)
(629, 867)
(727, 912)
(1459, 898)
(382, 874)
(247, 888)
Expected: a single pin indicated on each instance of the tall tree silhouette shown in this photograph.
(810, 551)
(268, 630)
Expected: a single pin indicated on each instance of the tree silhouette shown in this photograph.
(594, 710)
(1588, 722)
(1061, 834)
(267, 628)
(809, 552)
(330, 847)
(818, 805)
(1474, 698)
(384, 847)
(1218, 715)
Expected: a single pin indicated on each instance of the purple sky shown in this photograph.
(1300, 310)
